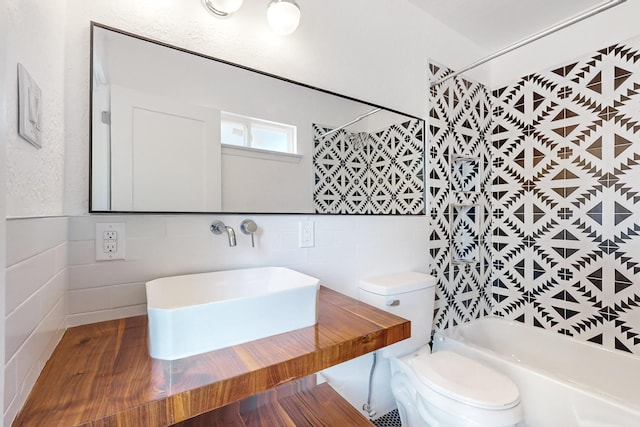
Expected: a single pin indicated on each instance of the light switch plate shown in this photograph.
(110, 241)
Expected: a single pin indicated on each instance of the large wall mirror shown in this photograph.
(177, 131)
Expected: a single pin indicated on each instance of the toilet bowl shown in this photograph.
(442, 389)
(446, 389)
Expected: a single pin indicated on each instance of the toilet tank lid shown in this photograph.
(397, 283)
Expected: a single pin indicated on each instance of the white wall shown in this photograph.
(3, 143)
(612, 26)
(346, 249)
(35, 178)
(35, 302)
(33, 311)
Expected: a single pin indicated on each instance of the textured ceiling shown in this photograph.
(494, 24)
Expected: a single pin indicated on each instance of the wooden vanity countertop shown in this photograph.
(101, 375)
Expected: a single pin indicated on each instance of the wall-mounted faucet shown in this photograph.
(249, 226)
(218, 227)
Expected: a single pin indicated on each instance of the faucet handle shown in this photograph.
(217, 227)
(248, 226)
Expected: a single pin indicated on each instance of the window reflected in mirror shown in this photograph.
(251, 132)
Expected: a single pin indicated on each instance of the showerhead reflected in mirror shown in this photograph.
(358, 140)
(177, 131)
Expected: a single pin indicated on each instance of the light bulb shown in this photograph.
(283, 16)
(222, 8)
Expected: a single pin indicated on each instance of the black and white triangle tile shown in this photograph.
(566, 198)
(459, 178)
(370, 173)
(557, 192)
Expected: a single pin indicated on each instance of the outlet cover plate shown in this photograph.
(306, 234)
(110, 241)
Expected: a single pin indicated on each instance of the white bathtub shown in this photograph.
(563, 382)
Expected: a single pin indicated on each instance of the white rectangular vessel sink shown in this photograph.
(197, 313)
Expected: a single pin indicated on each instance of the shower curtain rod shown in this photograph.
(559, 26)
(357, 119)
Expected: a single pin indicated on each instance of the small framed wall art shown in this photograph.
(29, 108)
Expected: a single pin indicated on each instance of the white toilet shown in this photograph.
(442, 389)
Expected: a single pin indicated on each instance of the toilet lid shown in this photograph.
(465, 380)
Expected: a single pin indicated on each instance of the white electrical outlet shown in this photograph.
(110, 246)
(110, 235)
(306, 234)
(110, 241)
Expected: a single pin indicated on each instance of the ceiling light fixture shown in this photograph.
(222, 8)
(283, 16)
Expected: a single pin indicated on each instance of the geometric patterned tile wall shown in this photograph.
(566, 198)
(459, 178)
(370, 173)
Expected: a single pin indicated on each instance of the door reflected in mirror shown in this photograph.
(177, 131)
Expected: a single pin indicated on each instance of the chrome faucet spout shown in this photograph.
(218, 227)
(231, 234)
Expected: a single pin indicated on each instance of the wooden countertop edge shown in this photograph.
(187, 404)
(180, 406)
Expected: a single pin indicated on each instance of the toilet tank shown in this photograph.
(410, 295)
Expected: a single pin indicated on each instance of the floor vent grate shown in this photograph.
(390, 419)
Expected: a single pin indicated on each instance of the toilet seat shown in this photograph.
(465, 380)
